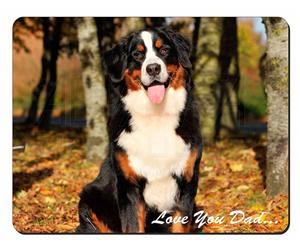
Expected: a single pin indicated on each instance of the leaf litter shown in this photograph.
(49, 176)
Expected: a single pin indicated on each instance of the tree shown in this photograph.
(252, 98)
(277, 82)
(216, 76)
(25, 27)
(51, 28)
(195, 37)
(131, 24)
(45, 118)
(154, 22)
(45, 61)
(183, 25)
(106, 32)
(207, 73)
(94, 87)
(228, 84)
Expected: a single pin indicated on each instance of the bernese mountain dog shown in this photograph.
(155, 146)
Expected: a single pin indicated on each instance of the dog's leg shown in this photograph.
(187, 183)
(131, 203)
(86, 225)
(132, 208)
(98, 207)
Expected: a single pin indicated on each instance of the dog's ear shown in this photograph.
(183, 47)
(115, 62)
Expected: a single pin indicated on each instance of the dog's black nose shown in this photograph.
(153, 69)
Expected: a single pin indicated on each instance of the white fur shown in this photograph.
(154, 149)
(161, 193)
(150, 58)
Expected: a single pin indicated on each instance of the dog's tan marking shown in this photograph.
(172, 68)
(141, 216)
(127, 170)
(178, 78)
(131, 79)
(100, 225)
(179, 227)
(158, 43)
(140, 47)
(190, 164)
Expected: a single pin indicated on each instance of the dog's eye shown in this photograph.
(164, 51)
(137, 55)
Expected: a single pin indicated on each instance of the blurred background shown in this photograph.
(69, 98)
(60, 105)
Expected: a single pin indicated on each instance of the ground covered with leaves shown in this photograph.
(49, 175)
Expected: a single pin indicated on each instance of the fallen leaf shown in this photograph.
(236, 167)
(243, 188)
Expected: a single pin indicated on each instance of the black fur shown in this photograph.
(111, 196)
(115, 61)
(181, 45)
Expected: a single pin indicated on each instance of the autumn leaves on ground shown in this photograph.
(49, 175)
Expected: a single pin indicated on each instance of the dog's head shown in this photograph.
(151, 61)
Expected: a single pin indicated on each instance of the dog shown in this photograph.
(155, 145)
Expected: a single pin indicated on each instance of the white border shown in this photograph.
(10, 10)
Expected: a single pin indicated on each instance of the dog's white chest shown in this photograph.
(154, 149)
(156, 152)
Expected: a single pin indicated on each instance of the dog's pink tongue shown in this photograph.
(156, 93)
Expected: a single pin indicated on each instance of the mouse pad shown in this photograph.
(156, 125)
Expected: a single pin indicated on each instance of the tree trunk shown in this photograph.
(154, 22)
(131, 24)
(106, 29)
(207, 73)
(45, 119)
(227, 107)
(277, 81)
(94, 87)
(216, 76)
(195, 38)
(32, 114)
